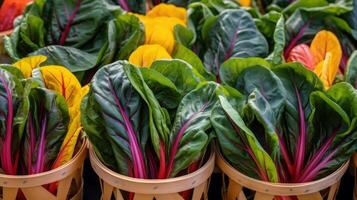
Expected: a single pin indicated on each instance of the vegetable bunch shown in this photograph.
(272, 122)
(150, 134)
(39, 116)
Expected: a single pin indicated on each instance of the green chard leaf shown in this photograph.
(233, 34)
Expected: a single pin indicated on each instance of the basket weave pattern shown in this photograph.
(114, 184)
(68, 177)
(325, 188)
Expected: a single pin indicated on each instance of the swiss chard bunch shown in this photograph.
(124, 120)
(278, 124)
(30, 141)
(45, 138)
(13, 114)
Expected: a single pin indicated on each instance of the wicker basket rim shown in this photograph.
(282, 188)
(150, 186)
(48, 176)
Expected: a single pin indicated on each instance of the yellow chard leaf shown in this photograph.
(159, 24)
(61, 80)
(322, 71)
(85, 90)
(160, 30)
(26, 65)
(326, 50)
(160, 35)
(168, 10)
(145, 55)
(74, 130)
(245, 3)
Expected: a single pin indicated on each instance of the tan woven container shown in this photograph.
(2, 35)
(68, 176)
(164, 189)
(325, 188)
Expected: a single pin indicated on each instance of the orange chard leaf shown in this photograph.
(326, 48)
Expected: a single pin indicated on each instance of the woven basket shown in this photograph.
(68, 177)
(325, 188)
(115, 184)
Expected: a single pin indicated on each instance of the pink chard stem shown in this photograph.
(295, 40)
(300, 147)
(6, 158)
(70, 20)
(138, 158)
(124, 5)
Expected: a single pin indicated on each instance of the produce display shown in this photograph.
(157, 86)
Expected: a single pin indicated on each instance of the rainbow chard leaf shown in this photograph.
(71, 33)
(46, 129)
(288, 117)
(13, 112)
(75, 22)
(182, 74)
(62, 81)
(233, 34)
(264, 93)
(299, 83)
(240, 145)
(125, 34)
(129, 111)
(188, 138)
(164, 90)
(330, 138)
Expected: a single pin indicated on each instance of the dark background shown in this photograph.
(92, 187)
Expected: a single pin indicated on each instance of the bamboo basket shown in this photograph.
(2, 35)
(325, 188)
(68, 177)
(115, 184)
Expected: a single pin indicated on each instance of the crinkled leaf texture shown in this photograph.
(233, 34)
(189, 134)
(120, 114)
(75, 23)
(285, 107)
(46, 128)
(62, 81)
